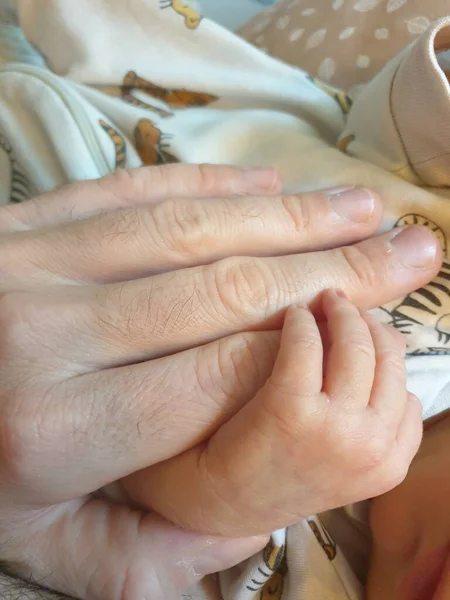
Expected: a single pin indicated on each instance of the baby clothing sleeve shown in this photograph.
(400, 121)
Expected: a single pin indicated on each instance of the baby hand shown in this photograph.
(334, 424)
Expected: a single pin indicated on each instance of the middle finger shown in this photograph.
(146, 318)
(140, 241)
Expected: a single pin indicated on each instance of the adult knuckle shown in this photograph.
(189, 177)
(306, 212)
(119, 316)
(148, 313)
(298, 212)
(362, 267)
(16, 323)
(209, 374)
(10, 222)
(237, 368)
(237, 360)
(241, 287)
(122, 224)
(217, 180)
(153, 421)
(11, 262)
(184, 227)
(125, 185)
(34, 327)
(122, 181)
(207, 177)
(219, 375)
(19, 439)
(8, 308)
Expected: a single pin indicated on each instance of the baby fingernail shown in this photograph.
(352, 204)
(261, 180)
(417, 246)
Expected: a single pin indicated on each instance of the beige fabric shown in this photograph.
(408, 131)
(343, 42)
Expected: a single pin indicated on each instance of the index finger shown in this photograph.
(136, 187)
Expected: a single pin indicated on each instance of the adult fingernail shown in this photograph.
(223, 554)
(417, 246)
(352, 204)
(261, 180)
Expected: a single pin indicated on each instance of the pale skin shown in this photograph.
(310, 440)
(139, 314)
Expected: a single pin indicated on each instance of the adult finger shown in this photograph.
(132, 243)
(97, 550)
(351, 357)
(145, 318)
(92, 430)
(136, 187)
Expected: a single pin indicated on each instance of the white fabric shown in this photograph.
(55, 129)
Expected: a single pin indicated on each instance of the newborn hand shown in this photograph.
(334, 424)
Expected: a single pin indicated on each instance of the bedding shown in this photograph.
(342, 42)
(233, 13)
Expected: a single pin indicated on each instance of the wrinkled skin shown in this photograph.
(138, 314)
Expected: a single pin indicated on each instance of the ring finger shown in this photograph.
(118, 421)
(135, 187)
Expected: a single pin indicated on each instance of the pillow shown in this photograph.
(342, 42)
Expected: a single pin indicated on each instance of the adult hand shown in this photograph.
(122, 346)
